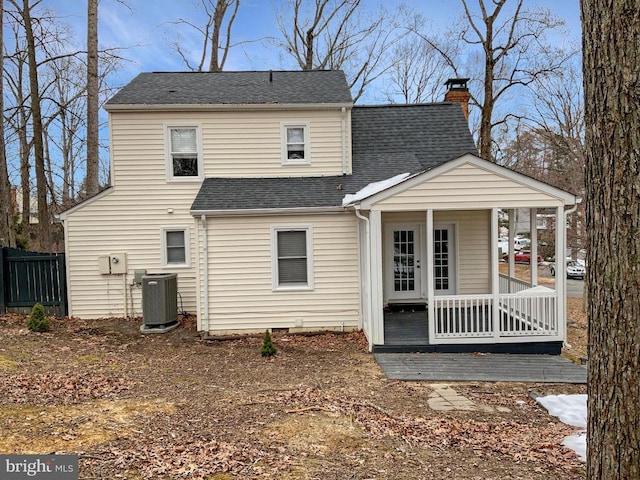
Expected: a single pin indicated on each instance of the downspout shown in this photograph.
(344, 145)
(367, 236)
(566, 344)
(205, 275)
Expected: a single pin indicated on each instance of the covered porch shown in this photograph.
(431, 277)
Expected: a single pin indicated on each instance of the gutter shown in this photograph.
(205, 275)
(137, 107)
(368, 269)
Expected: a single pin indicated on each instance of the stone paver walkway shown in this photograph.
(444, 398)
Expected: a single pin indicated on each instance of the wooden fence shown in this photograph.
(27, 278)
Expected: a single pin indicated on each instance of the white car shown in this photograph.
(574, 270)
(520, 243)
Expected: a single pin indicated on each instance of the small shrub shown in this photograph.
(38, 321)
(268, 349)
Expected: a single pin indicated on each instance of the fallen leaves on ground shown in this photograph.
(176, 407)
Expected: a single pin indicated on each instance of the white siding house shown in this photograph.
(236, 181)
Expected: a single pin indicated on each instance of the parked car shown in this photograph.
(574, 269)
(522, 256)
(520, 243)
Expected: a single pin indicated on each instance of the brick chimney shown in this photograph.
(457, 91)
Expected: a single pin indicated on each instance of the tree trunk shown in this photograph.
(44, 230)
(7, 236)
(91, 183)
(611, 69)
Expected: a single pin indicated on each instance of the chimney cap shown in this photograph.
(457, 84)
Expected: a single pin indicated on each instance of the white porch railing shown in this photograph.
(463, 316)
(509, 284)
(520, 316)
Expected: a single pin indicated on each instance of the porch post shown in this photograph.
(377, 313)
(561, 275)
(512, 250)
(533, 231)
(495, 274)
(431, 308)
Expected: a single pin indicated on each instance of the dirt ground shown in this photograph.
(174, 406)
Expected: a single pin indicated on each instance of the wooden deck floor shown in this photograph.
(461, 367)
(407, 330)
(407, 327)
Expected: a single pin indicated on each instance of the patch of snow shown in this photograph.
(373, 188)
(577, 443)
(572, 410)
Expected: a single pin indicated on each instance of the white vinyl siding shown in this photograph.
(473, 234)
(122, 222)
(129, 218)
(467, 187)
(241, 294)
(234, 144)
(183, 155)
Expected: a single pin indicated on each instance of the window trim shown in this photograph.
(307, 143)
(308, 229)
(169, 159)
(187, 246)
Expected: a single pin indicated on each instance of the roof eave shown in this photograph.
(266, 211)
(123, 107)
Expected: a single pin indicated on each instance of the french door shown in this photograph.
(403, 264)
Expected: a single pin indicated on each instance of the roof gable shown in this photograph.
(234, 88)
(468, 182)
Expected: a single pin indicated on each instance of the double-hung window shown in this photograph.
(184, 155)
(175, 246)
(295, 144)
(292, 257)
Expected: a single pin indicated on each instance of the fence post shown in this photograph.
(3, 252)
(62, 275)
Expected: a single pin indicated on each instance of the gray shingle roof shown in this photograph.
(217, 88)
(387, 140)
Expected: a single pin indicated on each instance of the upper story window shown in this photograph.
(184, 153)
(295, 144)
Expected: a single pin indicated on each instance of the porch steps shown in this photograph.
(463, 367)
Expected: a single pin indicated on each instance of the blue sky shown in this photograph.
(144, 30)
(143, 26)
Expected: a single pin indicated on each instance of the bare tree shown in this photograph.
(91, 179)
(417, 72)
(44, 227)
(215, 35)
(19, 114)
(513, 51)
(7, 236)
(334, 34)
(611, 70)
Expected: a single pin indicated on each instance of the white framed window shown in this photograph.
(184, 153)
(295, 144)
(292, 257)
(175, 243)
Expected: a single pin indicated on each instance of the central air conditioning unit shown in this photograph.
(159, 302)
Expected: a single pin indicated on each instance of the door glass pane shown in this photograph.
(404, 261)
(441, 259)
